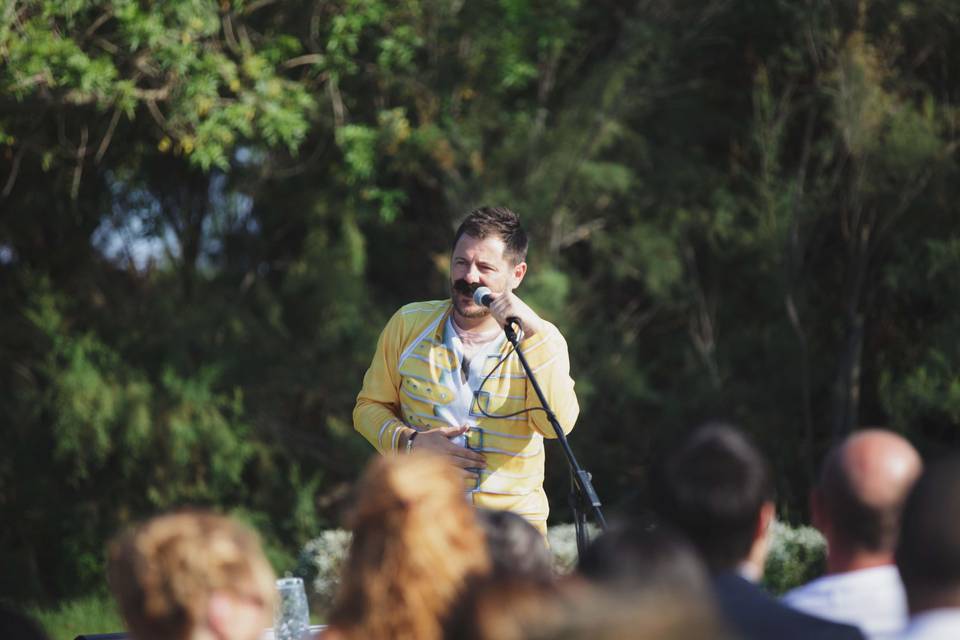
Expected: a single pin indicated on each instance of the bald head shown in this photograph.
(863, 486)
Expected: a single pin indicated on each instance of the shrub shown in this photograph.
(796, 556)
(563, 546)
(319, 566)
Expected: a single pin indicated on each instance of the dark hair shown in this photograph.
(928, 552)
(712, 488)
(496, 222)
(645, 558)
(514, 545)
(521, 608)
(856, 523)
(492, 607)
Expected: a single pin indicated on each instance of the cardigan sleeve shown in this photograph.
(547, 356)
(377, 412)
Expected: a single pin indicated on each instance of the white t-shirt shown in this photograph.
(872, 599)
(473, 341)
(936, 624)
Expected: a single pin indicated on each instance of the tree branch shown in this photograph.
(78, 172)
(157, 115)
(310, 58)
(229, 36)
(99, 22)
(336, 100)
(14, 171)
(108, 135)
(106, 45)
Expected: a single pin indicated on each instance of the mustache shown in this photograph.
(467, 289)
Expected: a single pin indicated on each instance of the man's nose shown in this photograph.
(472, 275)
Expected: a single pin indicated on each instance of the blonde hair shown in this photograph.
(163, 572)
(415, 542)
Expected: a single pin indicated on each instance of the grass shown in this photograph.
(90, 614)
(93, 614)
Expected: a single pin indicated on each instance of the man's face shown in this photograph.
(477, 263)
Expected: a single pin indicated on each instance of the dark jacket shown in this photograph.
(756, 615)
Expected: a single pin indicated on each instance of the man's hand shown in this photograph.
(507, 305)
(438, 441)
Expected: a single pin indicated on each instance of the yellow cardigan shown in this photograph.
(408, 384)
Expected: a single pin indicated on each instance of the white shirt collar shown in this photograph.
(935, 624)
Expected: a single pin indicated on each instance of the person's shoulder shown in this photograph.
(758, 614)
(548, 334)
(415, 316)
(816, 588)
(550, 328)
(828, 586)
(415, 312)
(425, 308)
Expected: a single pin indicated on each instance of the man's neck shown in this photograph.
(486, 323)
(841, 560)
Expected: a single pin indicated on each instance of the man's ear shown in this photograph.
(519, 270)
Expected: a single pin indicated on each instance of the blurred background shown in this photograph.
(208, 210)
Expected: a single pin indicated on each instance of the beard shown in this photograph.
(470, 309)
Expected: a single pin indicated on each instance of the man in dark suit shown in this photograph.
(717, 489)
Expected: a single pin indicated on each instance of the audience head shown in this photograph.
(717, 489)
(650, 558)
(863, 485)
(522, 608)
(502, 607)
(514, 545)
(178, 574)
(604, 615)
(928, 552)
(415, 542)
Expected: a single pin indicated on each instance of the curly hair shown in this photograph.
(415, 543)
(163, 572)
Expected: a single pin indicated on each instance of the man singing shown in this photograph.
(435, 384)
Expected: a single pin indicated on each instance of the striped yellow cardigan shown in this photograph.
(405, 385)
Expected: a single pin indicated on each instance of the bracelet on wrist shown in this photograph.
(410, 439)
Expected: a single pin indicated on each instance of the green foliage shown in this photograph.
(82, 616)
(206, 91)
(932, 386)
(211, 208)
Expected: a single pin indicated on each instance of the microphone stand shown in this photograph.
(583, 496)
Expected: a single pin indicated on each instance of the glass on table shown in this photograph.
(291, 620)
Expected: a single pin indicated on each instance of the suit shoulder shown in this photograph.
(757, 614)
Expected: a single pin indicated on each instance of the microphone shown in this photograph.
(482, 296)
